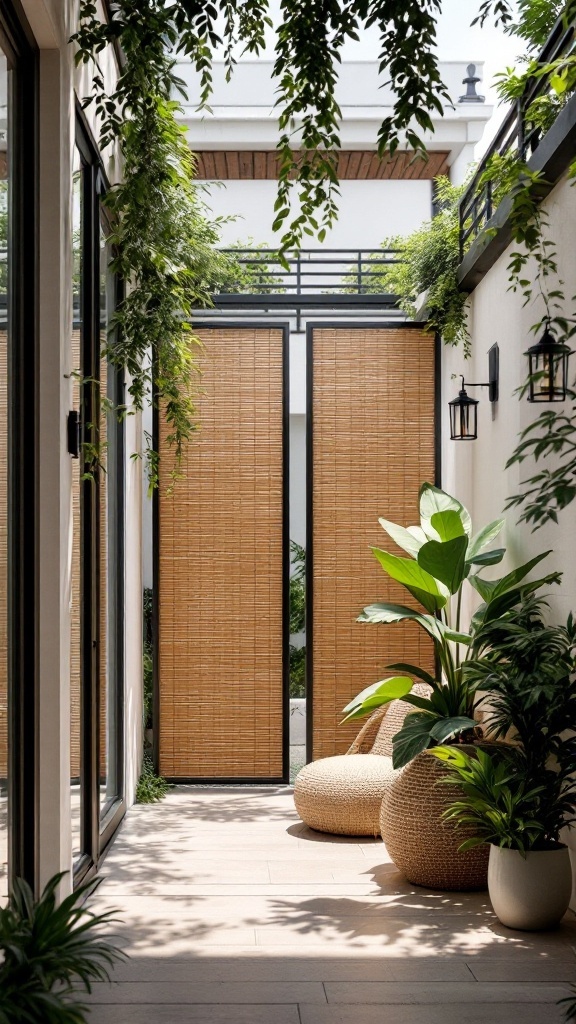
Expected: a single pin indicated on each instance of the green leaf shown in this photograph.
(483, 538)
(391, 688)
(487, 557)
(489, 589)
(455, 637)
(517, 575)
(403, 538)
(415, 670)
(376, 695)
(433, 500)
(483, 587)
(417, 581)
(445, 561)
(452, 755)
(424, 703)
(448, 727)
(389, 613)
(448, 524)
(413, 737)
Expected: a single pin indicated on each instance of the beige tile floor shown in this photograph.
(233, 912)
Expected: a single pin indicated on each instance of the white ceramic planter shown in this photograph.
(530, 893)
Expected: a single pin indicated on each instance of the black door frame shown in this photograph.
(97, 829)
(22, 441)
(241, 325)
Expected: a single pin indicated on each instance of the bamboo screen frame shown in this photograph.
(222, 569)
(3, 553)
(371, 444)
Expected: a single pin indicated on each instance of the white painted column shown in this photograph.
(55, 502)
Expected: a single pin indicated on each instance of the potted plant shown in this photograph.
(444, 557)
(520, 796)
(52, 953)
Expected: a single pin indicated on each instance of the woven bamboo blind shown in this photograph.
(3, 555)
(373, 445)
(220, 572)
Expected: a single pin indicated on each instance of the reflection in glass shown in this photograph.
(5, 135)
(75, 575)
(109, 782)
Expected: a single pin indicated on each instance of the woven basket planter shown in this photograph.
(422, 846)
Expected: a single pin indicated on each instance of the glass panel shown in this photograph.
(5, 136)
(109, 739)
(76, 566)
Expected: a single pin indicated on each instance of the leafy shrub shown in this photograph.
(52, 953)
(428, 261)
(297, 655)
(150, 787)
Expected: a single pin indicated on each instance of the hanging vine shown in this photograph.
(163, 239)
(164, 243)
(534, 272)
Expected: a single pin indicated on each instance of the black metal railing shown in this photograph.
(321, 272)
(519, 134)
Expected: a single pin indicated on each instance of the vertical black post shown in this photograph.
(309, 544)
(286, 552)
(22, 443)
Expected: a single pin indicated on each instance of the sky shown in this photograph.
(459, 41)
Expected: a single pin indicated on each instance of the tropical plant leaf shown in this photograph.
(382, 692)
(489, 589)
(448, 727)
(433, 500)
(445, 561)
(415, 670)
(448, 524)
(405, 539)
(418, 534)
(455, 637)
(487, 557)
(413, 738)
(483, 538)
(424, 587)
(389, 613)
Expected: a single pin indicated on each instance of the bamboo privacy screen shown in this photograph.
(220, 578)
(373, 445)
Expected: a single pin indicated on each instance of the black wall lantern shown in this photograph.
(464, 410)
(548, 369)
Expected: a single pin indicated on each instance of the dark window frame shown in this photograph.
(97, 826)
(22, 440)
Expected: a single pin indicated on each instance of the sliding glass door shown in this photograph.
(97, 642)
(18, 418)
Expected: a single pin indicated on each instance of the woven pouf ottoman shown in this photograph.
(344, 794)
(423, 846)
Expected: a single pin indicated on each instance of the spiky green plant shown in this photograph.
(52, 953)
(151, 787)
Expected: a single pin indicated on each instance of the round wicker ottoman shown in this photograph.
(344, 794)
(422, 846)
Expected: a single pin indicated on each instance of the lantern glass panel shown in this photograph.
(548, 375)
(463, 419)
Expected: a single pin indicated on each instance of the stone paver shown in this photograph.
(233, 912)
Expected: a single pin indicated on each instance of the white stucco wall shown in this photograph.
(369, 211)
(475, 471)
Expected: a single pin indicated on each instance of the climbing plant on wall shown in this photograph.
(164, 242)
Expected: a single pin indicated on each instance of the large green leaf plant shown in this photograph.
(444, 555)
